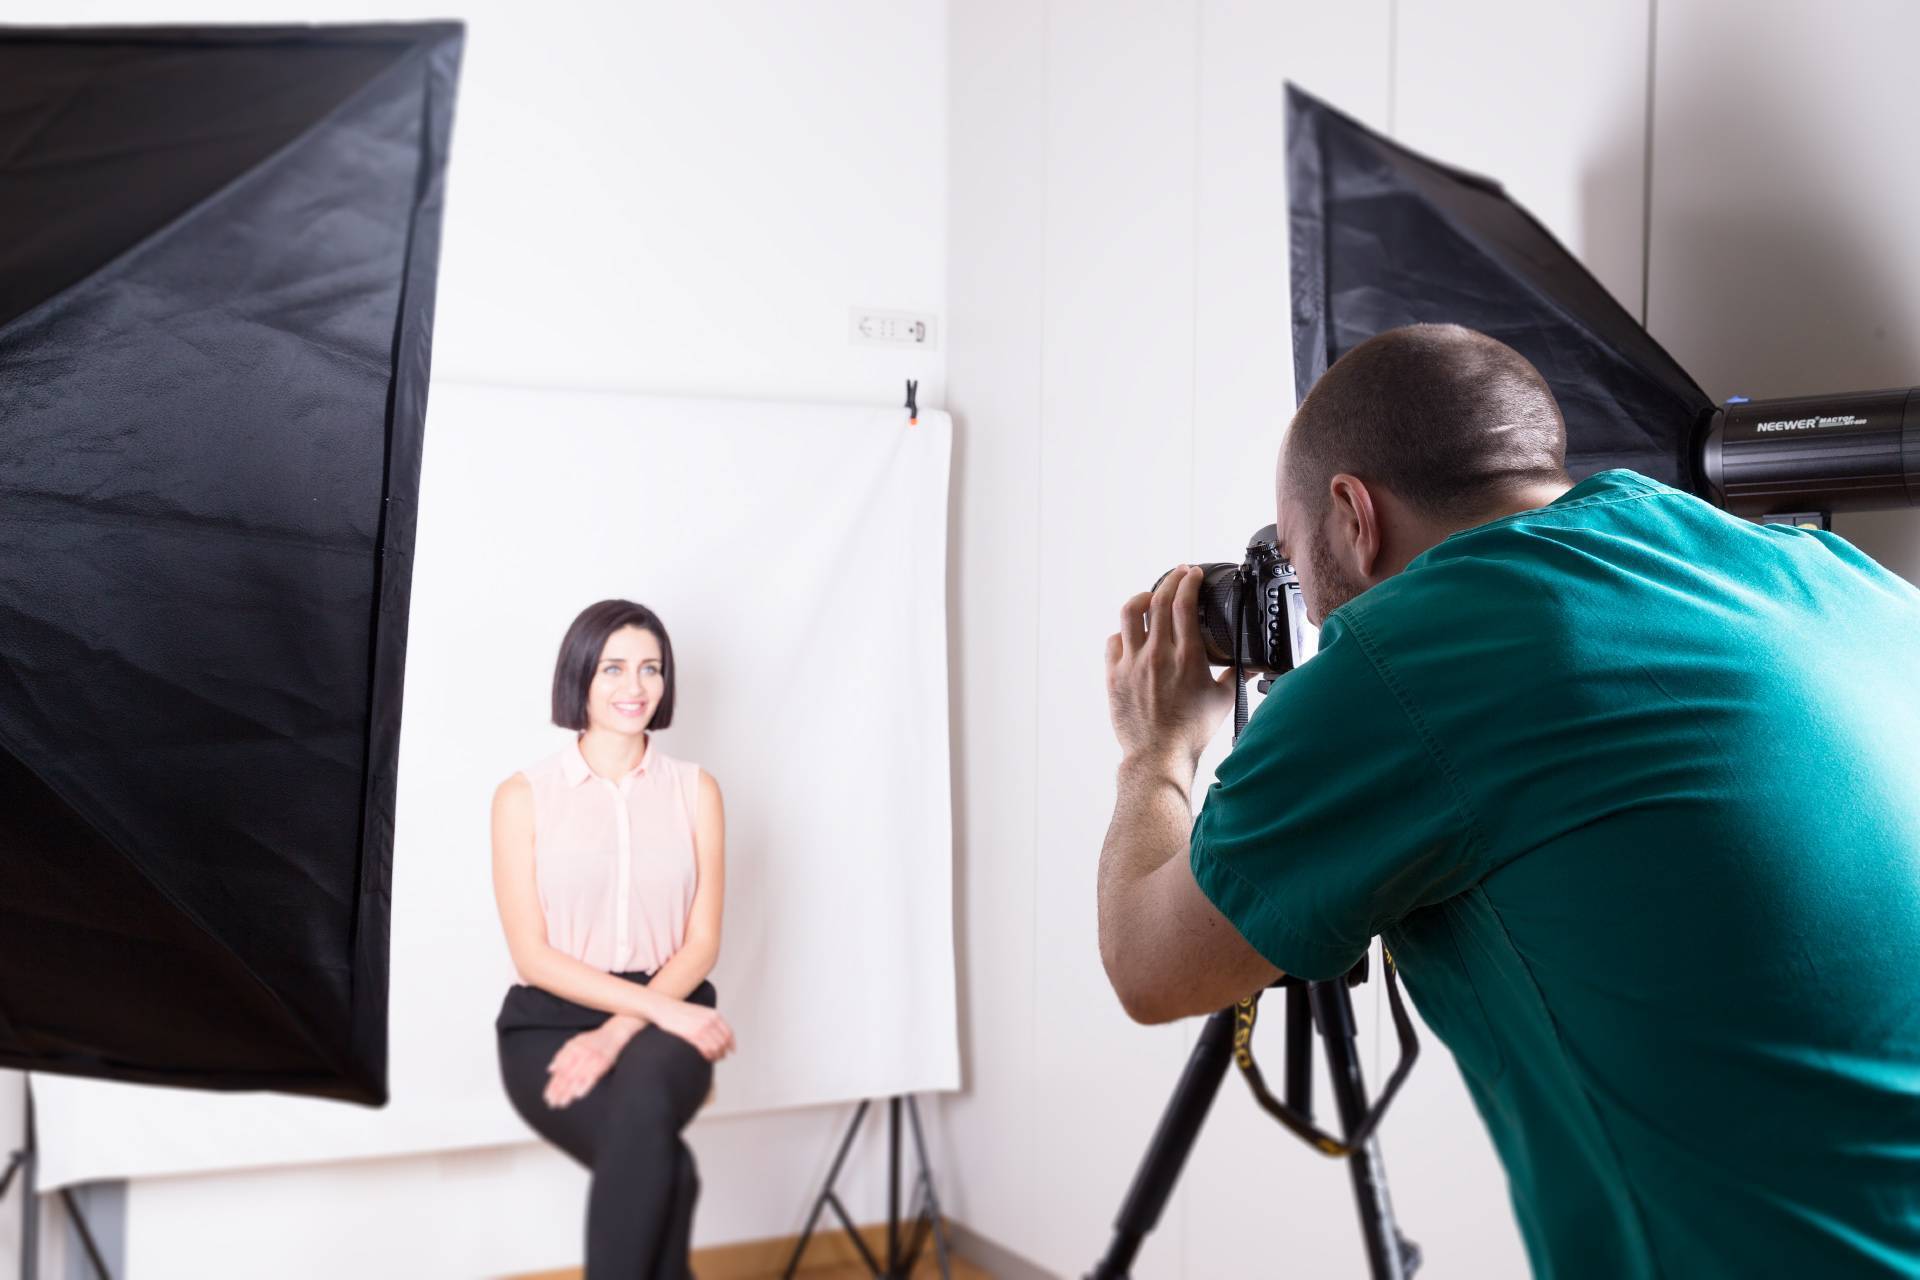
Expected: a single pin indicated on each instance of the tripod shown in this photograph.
(1225, 1037)
(1228, 1036)
(902, 1251)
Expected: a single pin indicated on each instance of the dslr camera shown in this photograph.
(1252, 617)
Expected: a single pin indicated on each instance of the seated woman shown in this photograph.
(608, 866)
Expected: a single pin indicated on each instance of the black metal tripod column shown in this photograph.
(1172, 1142)
(893, 1183)
(1388, 1255)
(1299, 1047)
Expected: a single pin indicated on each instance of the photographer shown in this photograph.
(1629, 786)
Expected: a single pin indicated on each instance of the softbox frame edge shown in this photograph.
(406, 430)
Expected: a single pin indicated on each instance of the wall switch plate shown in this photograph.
(871, 327)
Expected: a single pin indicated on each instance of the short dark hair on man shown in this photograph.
(580, 658)
(1447, 418)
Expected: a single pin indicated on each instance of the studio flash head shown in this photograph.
(1813, 453)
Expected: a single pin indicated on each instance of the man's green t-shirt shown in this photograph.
(1631, 787)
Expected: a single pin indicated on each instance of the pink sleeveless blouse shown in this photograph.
(614, 858)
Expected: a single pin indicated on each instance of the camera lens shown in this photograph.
(1220, 589)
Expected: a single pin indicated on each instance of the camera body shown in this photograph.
(1251, 614)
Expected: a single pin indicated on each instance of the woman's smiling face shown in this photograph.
(627, 684)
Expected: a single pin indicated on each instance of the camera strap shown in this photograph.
(1333, 1012)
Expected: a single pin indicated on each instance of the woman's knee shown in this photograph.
(654, 1099)
(521, 1080)
(570, 1129)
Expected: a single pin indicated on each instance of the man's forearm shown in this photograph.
(1152, 820)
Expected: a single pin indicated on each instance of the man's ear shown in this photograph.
(1356, 524)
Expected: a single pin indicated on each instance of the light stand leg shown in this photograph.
(25, 1165)
(86, 1234)
(16, 1164)
(29, 1198)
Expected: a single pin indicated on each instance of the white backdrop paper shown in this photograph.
(797, 554)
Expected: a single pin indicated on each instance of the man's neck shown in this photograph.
(1529, 498)
(1534, 497)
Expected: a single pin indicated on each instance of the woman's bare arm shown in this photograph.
(688, 967)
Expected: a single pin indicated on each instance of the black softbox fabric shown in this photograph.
(1382, 237)
(217, 260)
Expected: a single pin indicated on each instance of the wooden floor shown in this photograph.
(830, 1256)
(847, 1271)
(960, 1271)
(855, 1271)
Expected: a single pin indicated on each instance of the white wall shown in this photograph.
(1120, 372)
(662, 197)
(1118, 348)
(1782, 262)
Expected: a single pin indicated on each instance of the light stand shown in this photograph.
(24, 1164)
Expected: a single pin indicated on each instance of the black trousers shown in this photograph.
(626, 1129)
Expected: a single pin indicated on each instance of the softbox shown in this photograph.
(217, 261)
(1383, 237)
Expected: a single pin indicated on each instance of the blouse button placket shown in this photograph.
(623, 866)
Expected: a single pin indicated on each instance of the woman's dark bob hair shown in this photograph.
(580, 657)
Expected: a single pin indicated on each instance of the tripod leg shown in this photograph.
(1389, 1256)
(1172, 1142)
(933, 1200)
(826, 1194)
(916, 1229)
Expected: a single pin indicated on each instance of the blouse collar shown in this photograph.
(576, 770)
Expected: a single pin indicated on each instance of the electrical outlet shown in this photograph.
(867, 326)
